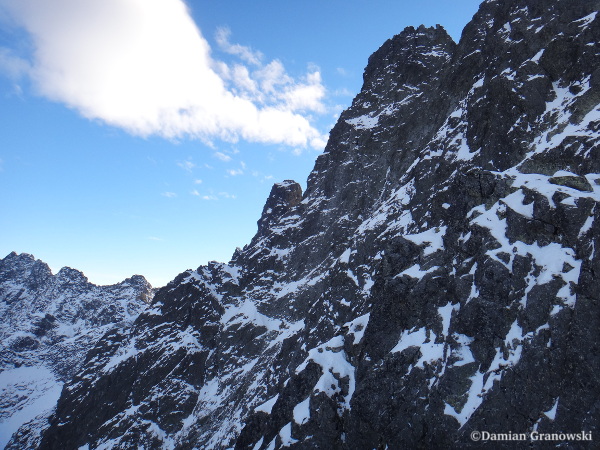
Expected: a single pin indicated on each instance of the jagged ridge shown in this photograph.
(47, 324)
(437, 276)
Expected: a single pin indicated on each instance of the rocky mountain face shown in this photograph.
(47, 325)
(439, 276)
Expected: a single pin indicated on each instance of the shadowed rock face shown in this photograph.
(47, 325)
(437, 277)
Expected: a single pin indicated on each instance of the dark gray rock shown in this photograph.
(437, 277)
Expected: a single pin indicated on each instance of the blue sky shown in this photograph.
(143, 136)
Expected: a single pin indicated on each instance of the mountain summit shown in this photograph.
(438, 277)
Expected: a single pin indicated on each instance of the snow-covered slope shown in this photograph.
(439, 275)
(47, 324)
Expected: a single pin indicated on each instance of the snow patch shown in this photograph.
(332, 359)
(286, 435)
(267, 406)
(551, 413)
(433, 238)
(37, 391)
(365, 122)
(302, 412)
(357, 327)
(425, 340)
(587, 20)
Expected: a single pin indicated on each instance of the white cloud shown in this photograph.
(308, 96)
(222, 156)
(169, 194)
(186, 165)
(144, 66)
(235, 172)
(246, 86)
(195, 193)
(272, 76)
(198, 181)
(209, 197)
(12, 65)
(245, 53)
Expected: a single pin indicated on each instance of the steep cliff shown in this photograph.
(437, 277)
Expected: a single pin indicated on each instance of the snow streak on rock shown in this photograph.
(437, 277)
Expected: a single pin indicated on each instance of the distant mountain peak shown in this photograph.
(47, 324)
